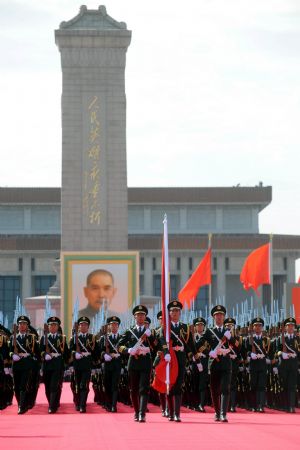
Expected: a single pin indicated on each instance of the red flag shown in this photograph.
(165, 373)
(200, 277)
(256, 269)
(296, 303)
(299, 280)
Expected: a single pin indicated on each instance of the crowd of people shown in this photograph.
(224, 366)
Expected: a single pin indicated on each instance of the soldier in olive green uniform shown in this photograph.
(182, 343)
(137, 341)
(258, 348)
(85, 353)
(288, 352)
(23, 348)
(5, 379)
(202, 348)
(54, 352)
(112, 362)
(222, 344)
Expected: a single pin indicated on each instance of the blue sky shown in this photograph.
(212, 95)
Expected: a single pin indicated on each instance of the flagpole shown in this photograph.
(271, 273)
(166, 296)
(210, 285)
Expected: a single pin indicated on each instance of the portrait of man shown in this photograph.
(106, 282)
(99, 292)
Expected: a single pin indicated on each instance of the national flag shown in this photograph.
(256, 269)
(201, 277)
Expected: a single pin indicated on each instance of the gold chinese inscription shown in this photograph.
(91, 181)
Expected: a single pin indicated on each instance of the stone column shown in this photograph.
(94, 177)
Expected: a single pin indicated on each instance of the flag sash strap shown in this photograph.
(220, 344)
(177, 337)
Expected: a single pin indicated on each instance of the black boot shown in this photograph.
(261, 401)
(163, 404)
(202, 402)
(52, 403)
(224, 407)
(232, 401)
(291, 402)
(143, 407)
(82, 401)
(22, 404)
(170, 400)
(177, 407)
(216, 404)
(135, 404)
(114, 401)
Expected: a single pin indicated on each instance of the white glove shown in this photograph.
(248, 369)
(147, 332)
(201, 355)
(48, 357)
(227, 334)
(260, 356)
(168, 357)
(122, 371)
(213, 354)
(219, 351)
(284, 355)
(268, 361)
(253, 355)
(6, 370)
(225, 351)
(200, 367)
(233, 356)
(132, 351)
(93, 372)
(241, 369)
(71, 370)
(78, 355)
(16, 357)
(107, 357)
(116, 355)
(275, 370)
(292, 355)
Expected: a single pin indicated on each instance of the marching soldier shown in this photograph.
(288, 351)
(55, 353)
(84, 351)
(259, 352)
(235, 357)
(23, 348)
(222, 343)
(4, 369)
(112, 362)
(202, 348)
(137, 341)
(182, 343)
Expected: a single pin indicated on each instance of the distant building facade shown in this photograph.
(30, 241)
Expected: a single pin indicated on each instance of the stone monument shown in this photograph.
(94, 176)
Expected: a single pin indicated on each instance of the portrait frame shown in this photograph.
(86, 262)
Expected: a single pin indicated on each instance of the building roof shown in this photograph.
(200, 195)
(219, 242)
(154, 242)
(259, 195)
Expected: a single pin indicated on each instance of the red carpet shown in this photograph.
(68, 429)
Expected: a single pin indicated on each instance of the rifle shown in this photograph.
(46, 337)
(76, 338)
(15, 338)
(283, 338)
(251, 339)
